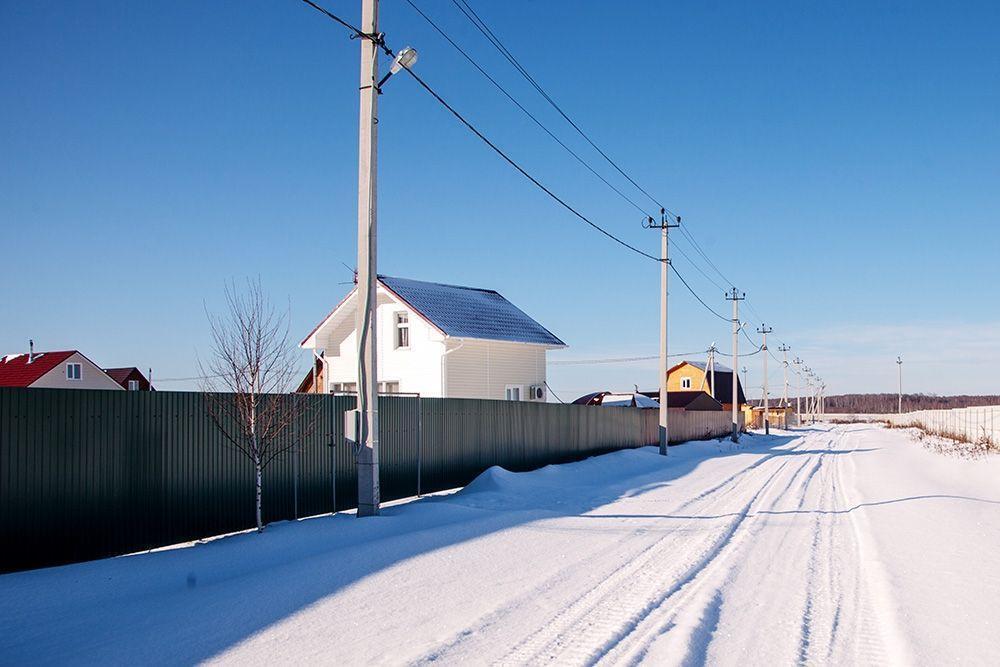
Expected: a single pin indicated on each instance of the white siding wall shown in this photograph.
(483, 369)
(91, 377)
(471, 368)
(417, 369)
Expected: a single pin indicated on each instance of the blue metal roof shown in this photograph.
(468, 312)
(703, 365)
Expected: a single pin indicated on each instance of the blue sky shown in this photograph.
(840, 162)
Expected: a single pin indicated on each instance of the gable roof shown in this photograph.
(469, 312)
(15, 371)
(723, 381)
(123, 375)
(688, 399)
(461, 312)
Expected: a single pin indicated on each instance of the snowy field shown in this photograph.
(830, 545)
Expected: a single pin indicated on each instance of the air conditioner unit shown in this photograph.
(536, 392)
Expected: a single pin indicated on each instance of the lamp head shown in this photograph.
(407, 58)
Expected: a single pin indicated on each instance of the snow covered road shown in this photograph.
(829, 545)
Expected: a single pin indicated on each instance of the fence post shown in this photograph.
(420, 443)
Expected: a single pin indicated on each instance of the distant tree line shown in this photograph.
(882, 403)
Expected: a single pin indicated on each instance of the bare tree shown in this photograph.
(247, 378)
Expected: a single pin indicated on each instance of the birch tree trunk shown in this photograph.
(257, 471)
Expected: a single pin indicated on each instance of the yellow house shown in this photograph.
(695, 376)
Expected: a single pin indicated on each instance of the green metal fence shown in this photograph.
(86, 474)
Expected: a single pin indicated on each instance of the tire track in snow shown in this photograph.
(601, 621)
(715, 494)
(681, 624)
(877, 638)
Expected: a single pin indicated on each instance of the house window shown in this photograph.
(513, 392)
(344, 388)
(402, 330)
(73, 371)
(388, 387)
(685, 383)
(133, 385)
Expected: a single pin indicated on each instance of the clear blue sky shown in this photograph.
(840, 161)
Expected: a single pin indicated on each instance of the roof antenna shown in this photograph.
(31, 350)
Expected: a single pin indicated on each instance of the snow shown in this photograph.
(846, 544)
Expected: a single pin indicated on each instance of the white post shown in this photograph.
(784, 351)
(766, 399)
(735, 298)
(711, 361)
(899, 365)
(664, 273)
(365, 322)
(664, 228)
(798, 393)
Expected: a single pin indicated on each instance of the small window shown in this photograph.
(388, 387)
(402, 330)
(73, 371)
(133, 385)
(513, 392)
(344, 388)
(685, 383)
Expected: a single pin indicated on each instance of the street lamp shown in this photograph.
(407, 57)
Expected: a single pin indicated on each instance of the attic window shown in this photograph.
(133, 385)
(73, 371)
(685, 383)
(402, 330)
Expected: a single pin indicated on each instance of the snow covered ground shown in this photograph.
(843, 545)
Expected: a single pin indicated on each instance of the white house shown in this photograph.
(437, 341)
(67, 369)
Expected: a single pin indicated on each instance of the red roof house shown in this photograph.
(67, 369)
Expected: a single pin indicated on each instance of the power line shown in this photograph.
(481, 25)
(695, 295)
(188, 379)
(619, 360)
(530, 115)
(488, 33)
(472, 128)
(545, 382)
(357, 32)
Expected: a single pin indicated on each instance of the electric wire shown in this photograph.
(472, 128)
(481, 25)
(488, 33)
(620, 360)
(520, 106)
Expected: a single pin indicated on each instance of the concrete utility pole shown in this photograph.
(711, 360)
(664, 226)
(808, 372)
(798, 391)
(784, 351)
(767, 400)
(735, 297)
(365, 322)
(899, 365)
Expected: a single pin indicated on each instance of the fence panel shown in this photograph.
(86, 473)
